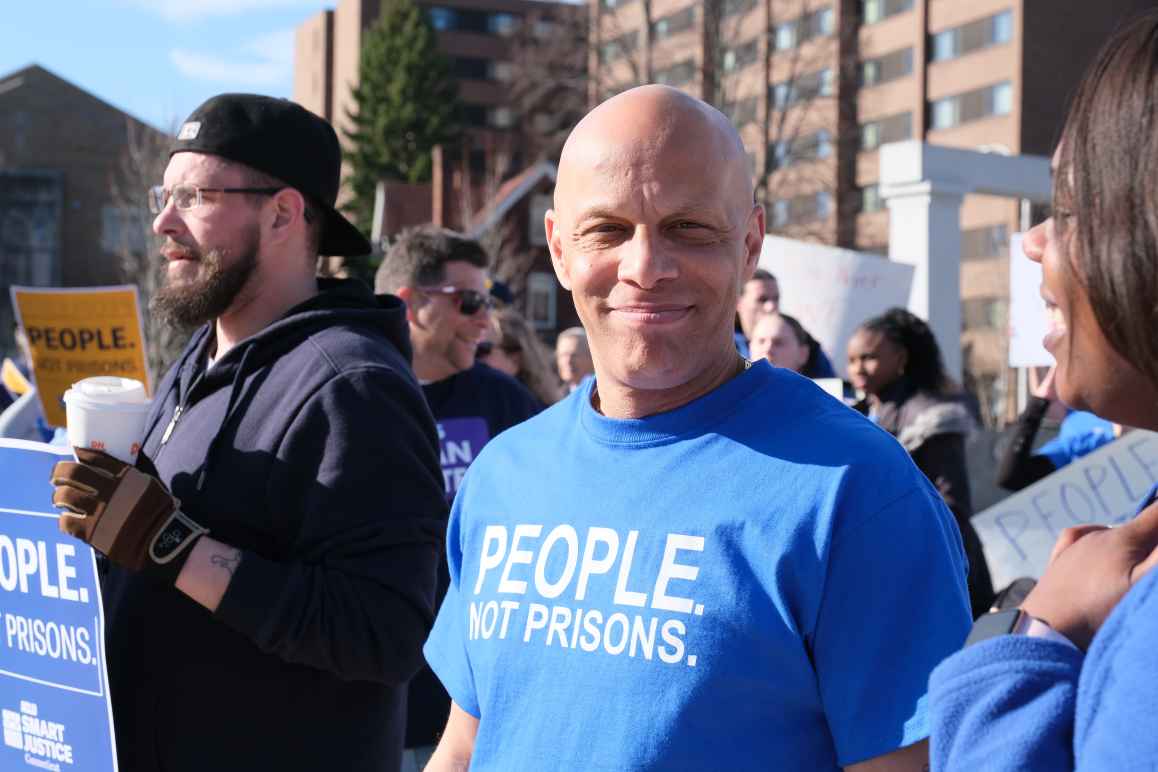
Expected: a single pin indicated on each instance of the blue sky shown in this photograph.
(157, 59)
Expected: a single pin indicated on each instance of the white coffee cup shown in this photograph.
(107, 413)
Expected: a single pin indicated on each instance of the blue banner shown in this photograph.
(54, 696)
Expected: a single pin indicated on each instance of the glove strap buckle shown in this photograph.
(175, 535)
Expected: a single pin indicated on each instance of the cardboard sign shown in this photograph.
(831, 291)
(832, 386)
(54, 697)
(76, 333)
(1103, 487)
(1027, 320)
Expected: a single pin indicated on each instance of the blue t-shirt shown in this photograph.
(1080, 434)
(758, 579)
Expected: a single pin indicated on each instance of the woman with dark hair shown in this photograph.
(1069, 680)
(894, 359)
(516, 350)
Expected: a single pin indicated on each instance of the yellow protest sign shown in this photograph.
(12, 379)
(76, 333)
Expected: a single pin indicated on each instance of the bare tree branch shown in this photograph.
(141, 166)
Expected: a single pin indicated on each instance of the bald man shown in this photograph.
(705, 563)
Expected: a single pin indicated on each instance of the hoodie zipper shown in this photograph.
(172, 424)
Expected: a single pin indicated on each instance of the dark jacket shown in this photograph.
(933, 428)
(498, 401)
(310, 448)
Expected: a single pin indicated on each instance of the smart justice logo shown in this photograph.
(42, 741)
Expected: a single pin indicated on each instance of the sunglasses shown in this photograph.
(486, 347)
(469, 302)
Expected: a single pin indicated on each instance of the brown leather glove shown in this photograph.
(124, 513)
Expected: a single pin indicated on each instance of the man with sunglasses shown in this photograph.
(441, 276)
(274, 551)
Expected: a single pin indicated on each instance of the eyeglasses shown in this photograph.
(186, 197)
(469, 301)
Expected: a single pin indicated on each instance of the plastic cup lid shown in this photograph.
(109, 390)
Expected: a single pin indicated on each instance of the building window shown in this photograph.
(466, 20)
(808, 86)
(883, 69)
(974, 36)
(733, 7)
(501, 71)
(673, 24)
(501, 118)
(792, 33)
(475, 68)
(503, 24)
(799, 210)
(873, 11)
(971, 106)
(470, 67)
(620, 46)
(473, 115)
(612, 4)
(894, 128)
(811, 147)
(983, 242)
(984, 313)
(678, 74)
(442, 18)
(739, 57)
(870, 199)
(742, 111)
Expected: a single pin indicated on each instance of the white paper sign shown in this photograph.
(1103, 487)
(831, 291)
(1027, 320)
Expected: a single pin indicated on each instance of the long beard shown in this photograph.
(210, 294)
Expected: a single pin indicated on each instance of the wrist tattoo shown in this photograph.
(228, 561)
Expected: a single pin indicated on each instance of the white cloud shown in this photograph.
(189, 10)
(264, 61)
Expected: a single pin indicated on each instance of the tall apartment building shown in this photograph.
(476, 35)
(816, 86)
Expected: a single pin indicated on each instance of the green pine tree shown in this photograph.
(404, 105)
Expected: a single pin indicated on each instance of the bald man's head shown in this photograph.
(642, 124)
(654, 231)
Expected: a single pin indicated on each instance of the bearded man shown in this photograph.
(274, 551)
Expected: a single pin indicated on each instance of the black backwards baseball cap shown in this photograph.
(282, 139)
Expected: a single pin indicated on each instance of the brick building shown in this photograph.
(816, 86)
(62, 221)
(476, 35)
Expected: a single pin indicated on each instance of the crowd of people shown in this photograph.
(379, 530)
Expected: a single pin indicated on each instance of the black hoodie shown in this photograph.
(309, 447)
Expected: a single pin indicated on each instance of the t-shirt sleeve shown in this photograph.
(894, 604)
(445, 649)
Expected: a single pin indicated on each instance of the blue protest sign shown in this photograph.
(54, 696)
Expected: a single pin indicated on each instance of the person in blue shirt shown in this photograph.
(1068, 681)
(1080, 434)
(692, 562)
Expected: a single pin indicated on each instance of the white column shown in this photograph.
(925, 232)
